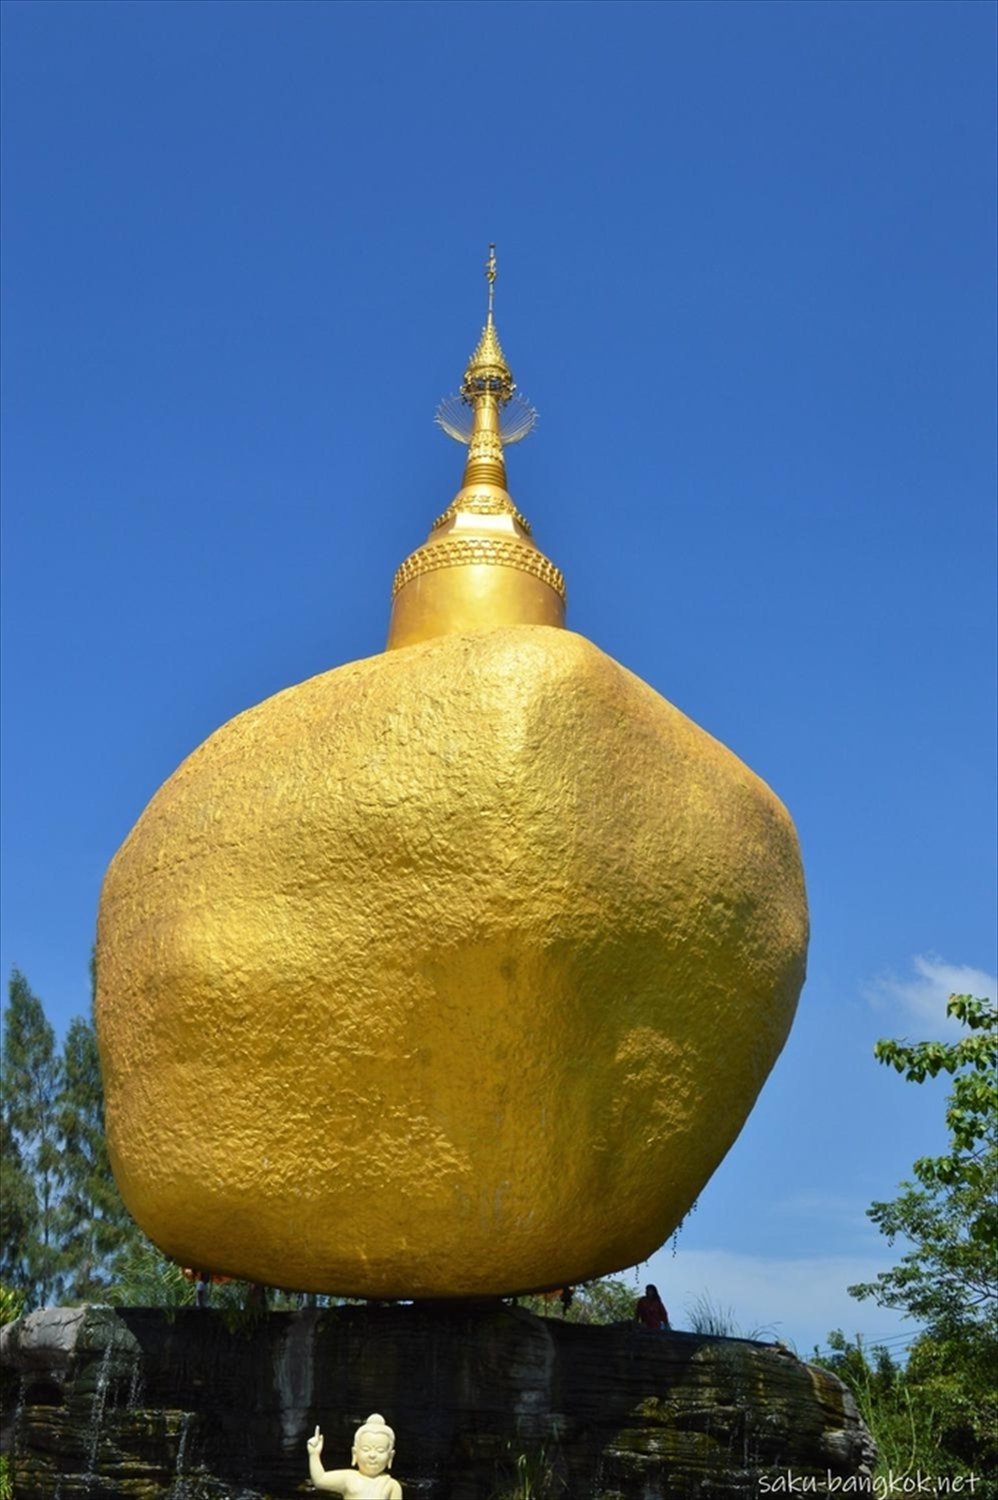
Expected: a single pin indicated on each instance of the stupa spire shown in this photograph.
(487, 388)
(487, 367)
(479, 567)
(488, 406)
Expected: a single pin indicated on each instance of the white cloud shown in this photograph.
(827, 1210)
(796, 1300)
(921, 998)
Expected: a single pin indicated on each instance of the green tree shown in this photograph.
(953, 1383)
(97, 1231)
(94, 1226)
(65, 1226)
(949, 1217)
(949, 1213)
(31, 1082)
(18, 1206)
(904, 1425)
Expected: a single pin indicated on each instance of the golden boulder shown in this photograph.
(454, 971)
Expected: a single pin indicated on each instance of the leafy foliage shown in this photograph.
(903, 1427)
(145, 1277)
(950, 1213)
(607, 1300)
(94, 1225)
(31, 1081)
(65, 1225)
(955, 1379)
(17, 1203)
(947, 1279)
(11, 1304)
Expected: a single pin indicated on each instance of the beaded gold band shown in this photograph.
(455, 552)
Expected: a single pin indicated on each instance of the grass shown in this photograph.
(705, 1316)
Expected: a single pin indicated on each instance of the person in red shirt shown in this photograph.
(650, 1312)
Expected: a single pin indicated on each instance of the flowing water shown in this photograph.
(179, 1489)
(294, 1367)
(98, 1404)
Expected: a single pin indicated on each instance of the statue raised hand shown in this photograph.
(373, 1451)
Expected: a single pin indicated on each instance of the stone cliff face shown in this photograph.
(140, 1404)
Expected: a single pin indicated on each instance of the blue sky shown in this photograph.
(746, 274)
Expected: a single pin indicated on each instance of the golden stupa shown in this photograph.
(454, 971)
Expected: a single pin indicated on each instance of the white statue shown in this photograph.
(373, 1451)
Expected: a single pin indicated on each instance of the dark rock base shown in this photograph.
(141, 1404)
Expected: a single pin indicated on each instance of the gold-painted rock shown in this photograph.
(452, 971)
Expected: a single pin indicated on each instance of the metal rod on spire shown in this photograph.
(490, 275)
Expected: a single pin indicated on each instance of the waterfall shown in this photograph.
(136, 1381)
(97, 1414)
(294, 1368)
(178, 1489)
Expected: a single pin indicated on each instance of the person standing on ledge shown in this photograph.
(650, 1312)
(373, 1451)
